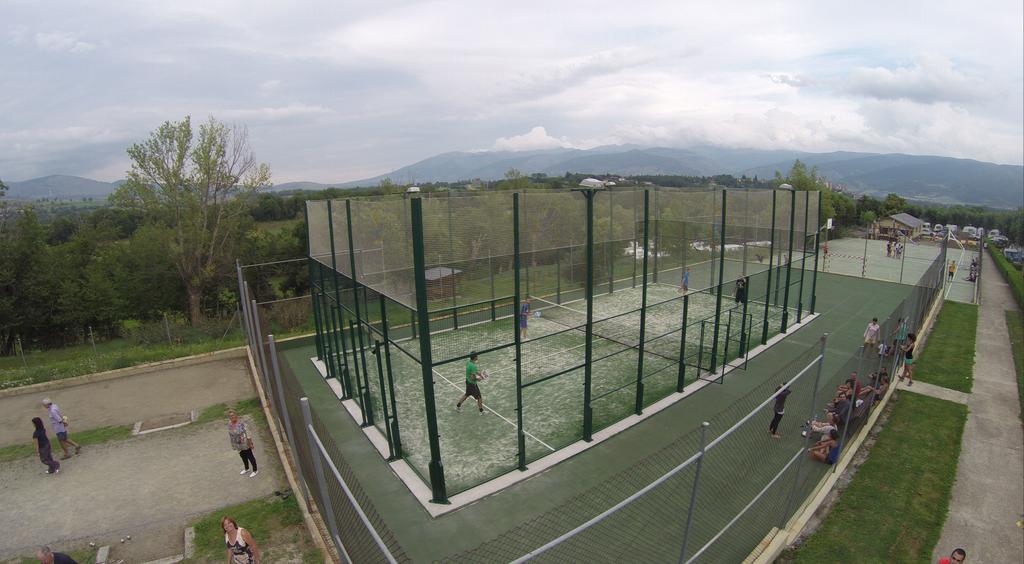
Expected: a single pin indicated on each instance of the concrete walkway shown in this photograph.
(988, 497)
(926, 389)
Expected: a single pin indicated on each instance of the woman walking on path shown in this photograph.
(908, 359)
(42, 443)
(241, 441)
(241, 549)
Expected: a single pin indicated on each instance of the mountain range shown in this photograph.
(935, 179)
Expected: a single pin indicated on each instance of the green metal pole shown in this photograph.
(743, 321)
(681, 382)
(435, 466)
(363, 383)
(312, 286)
(526, 225)
(558, 276)
(768, 289)
(383, 398)
(634, 237)
(517, 337)
(609, 246)
(817, 240)
(336, 312)
(657, 236)
(718, 294)
(803, 259)
(789, 263)
(355, 300)
(588, 415)
(639, 408)
(386, 331)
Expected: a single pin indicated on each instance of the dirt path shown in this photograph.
(988, 496)
(123, 401)
(147, 486)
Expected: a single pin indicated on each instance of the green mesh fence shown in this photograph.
(717, 285)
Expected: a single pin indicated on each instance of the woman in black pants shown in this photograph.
(780, 410)
(241, 441)
(43, 447)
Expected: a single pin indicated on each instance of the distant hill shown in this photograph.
(59, 186)
(925, 178)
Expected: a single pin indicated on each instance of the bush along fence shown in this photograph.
(1014, 276)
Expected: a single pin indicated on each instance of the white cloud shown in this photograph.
(269, 86)
(536, 139)
(61, 41)
(930, 79)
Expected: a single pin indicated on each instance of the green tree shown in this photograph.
(514, 181)
(893, 204)
(868, 217)
(199, 186)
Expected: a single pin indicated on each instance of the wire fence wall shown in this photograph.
(905, 260)
(628, 295)
(712, 495)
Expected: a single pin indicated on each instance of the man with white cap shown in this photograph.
(60, 427)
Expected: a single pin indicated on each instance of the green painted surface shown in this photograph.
(844, 302)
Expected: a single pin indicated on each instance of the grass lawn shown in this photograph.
(249, 408)
(68, 362)
(894, 508)
(948, 357)
(1015, 326)
(275, 523)
(84, 438)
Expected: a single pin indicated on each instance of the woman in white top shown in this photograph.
(241, 549)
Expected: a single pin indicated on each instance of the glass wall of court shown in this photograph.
(631, 294)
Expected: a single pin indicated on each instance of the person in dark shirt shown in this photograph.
(841, 410)
(47, 556)
(780, 409)
(42, 443)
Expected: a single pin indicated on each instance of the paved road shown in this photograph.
(988, 497)
(147, 487)
(126, 400)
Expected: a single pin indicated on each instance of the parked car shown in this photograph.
(994, 233)
(938, 229)
(952, 228)
(926, 231)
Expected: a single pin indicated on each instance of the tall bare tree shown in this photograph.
(200, 187)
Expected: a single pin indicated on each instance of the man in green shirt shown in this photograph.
(473, 376)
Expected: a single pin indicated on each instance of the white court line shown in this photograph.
(549, 447)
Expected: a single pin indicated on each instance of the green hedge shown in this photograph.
(1013, 276)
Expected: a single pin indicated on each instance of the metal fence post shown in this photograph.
(807, 439)
(681, 382)
(639, 407)
(718, 294)
(588, 354)
(517, 334)
(803, 259)
(435, 466)
(768, 288)
(282, 412)
(789, 259)
(318, 467)
(693, 492)
(817, 241)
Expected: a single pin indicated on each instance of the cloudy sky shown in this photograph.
(345, 89)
